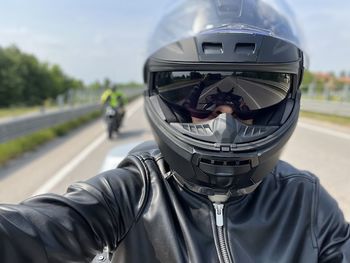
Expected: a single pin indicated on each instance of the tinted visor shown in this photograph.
(202, 92)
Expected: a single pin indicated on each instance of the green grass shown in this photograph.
(14, 148)
(339, 120)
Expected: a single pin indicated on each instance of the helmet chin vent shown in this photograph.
(225, 162)
(206, 132)
(252, 131)
(201, 129)
(222, 167)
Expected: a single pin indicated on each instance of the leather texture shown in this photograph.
(145, 215)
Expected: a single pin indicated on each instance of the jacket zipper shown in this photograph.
(219, 220)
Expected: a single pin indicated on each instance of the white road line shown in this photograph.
(134, 107)
(323, 130)
(65, 170)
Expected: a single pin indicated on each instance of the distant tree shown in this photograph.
(11, 83)
(107, 83)
(131, 84)
(36, 84)
(57, 79)
(308, 78)
(96, 85)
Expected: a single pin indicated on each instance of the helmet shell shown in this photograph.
(219, 35)
(189, 18)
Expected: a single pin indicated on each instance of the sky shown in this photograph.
(95, 39)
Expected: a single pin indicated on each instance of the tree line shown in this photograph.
(108, 84)
(26, 81)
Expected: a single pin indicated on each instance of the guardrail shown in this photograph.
(20, 126)
(327, 107)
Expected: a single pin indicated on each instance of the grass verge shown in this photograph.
(18, 146)
(334, 119)
(17, 111)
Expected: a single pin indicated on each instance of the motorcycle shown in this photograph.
(114, 117)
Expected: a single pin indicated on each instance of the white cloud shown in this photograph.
(29, 39)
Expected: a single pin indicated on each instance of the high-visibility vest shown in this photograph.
(115, 98)
(105, 95)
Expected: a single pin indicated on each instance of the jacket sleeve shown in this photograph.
(332, 231)
(75, 226)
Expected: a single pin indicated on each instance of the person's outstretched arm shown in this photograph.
(75, 226)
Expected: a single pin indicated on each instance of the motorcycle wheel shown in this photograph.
(110, 131)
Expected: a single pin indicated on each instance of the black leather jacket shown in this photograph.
(149, 217)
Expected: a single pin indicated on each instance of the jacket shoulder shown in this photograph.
(143, 161)
(286, 171)
(146, 149)
(330, 231)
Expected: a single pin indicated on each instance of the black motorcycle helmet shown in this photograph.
(244, 56)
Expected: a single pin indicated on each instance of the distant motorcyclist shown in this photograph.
(113, 97)
(105, 95)
(113, 101)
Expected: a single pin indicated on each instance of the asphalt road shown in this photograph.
(322, 150)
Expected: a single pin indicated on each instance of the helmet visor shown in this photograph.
(201, 93)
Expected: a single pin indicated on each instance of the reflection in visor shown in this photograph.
(201, 93)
